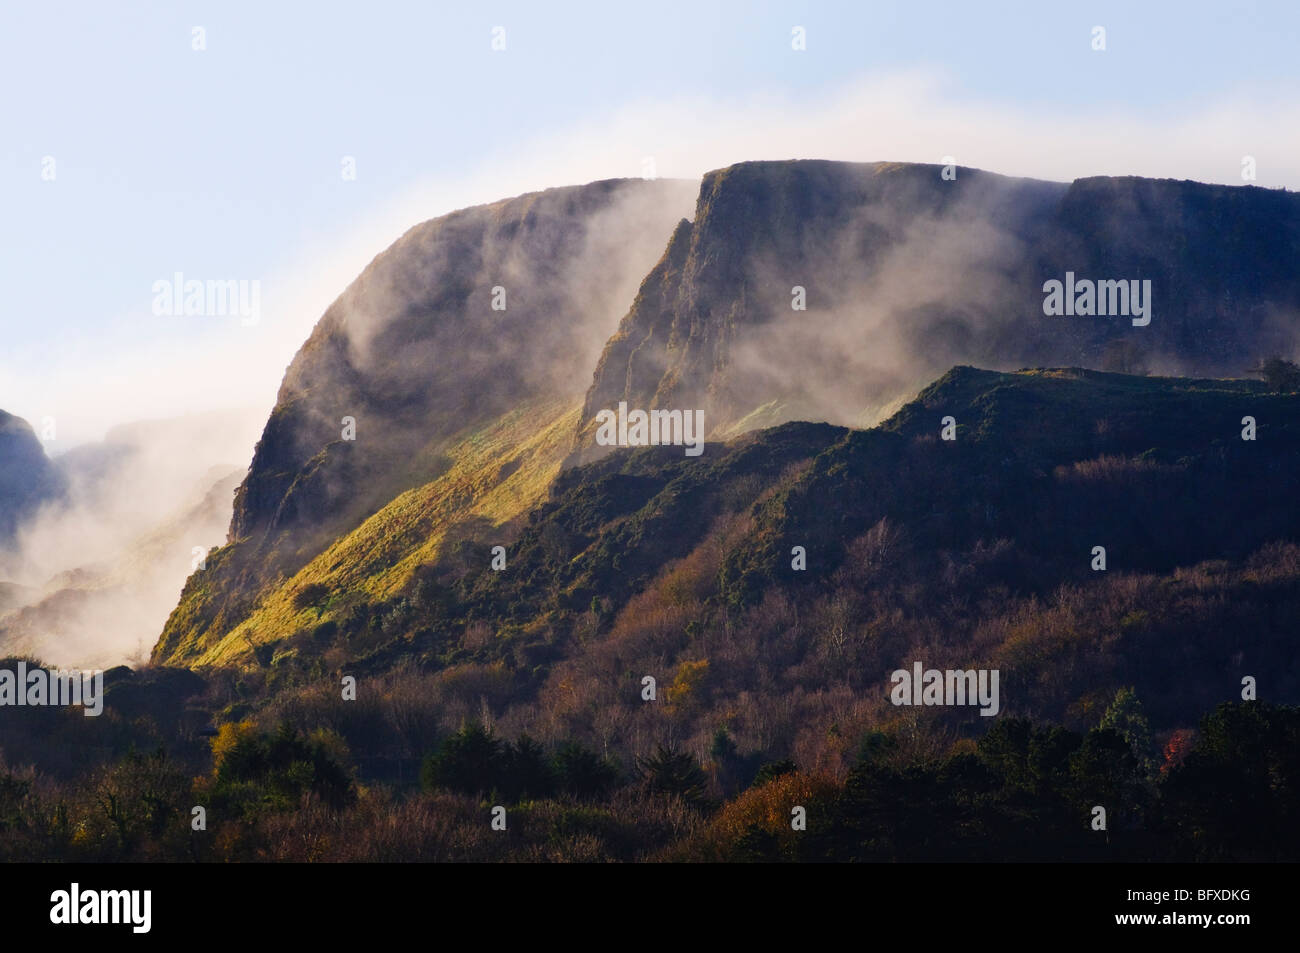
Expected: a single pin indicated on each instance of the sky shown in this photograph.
(128, 155)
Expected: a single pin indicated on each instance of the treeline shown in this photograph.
(1229, 791)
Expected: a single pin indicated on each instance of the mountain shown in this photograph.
(482, 322)
(645, 653)
(763, 593)
(27, 477)
(182, 449)
(905, 273)
(465, 417)
(415, 351)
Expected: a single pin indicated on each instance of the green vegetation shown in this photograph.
(1022, 792)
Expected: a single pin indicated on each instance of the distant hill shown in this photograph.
(100, 613)
(93, 579)
(27, 478)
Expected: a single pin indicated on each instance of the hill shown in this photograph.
(27, 478)
(972, 552)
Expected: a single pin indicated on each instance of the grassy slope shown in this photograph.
(497, 473)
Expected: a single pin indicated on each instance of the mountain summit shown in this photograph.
(828, 290)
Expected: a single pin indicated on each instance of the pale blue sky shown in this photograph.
(226, 163)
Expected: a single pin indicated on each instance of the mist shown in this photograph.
(832, 291)
(93, 575)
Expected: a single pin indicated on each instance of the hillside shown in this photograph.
(972, 551)
(492, 477)
(466, 322)
(526, 684)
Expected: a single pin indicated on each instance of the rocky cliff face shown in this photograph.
(463, 318)
(1224, 262)
(482, 323)
(903, 273)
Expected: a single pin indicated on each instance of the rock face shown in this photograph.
(466, 320)
(27, 477)
(905, 274)
(461, 319)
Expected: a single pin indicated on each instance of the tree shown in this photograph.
(1281, 375)
(1236, 795)
(274, 770)
(526, 770)
(1105, 770)
(471, 761)
(1177, 748)
(311, 596)
(669, 771)
(773, 770)
(583, 773)
(140, 795)
(1126, 717)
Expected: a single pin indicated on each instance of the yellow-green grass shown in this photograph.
(377, 559)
